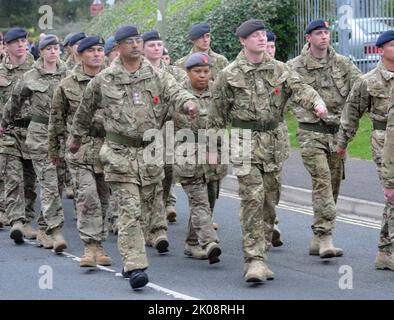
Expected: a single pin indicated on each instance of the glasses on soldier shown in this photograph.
(130, 41)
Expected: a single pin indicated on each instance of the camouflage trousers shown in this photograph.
(92, 203)
(168, 187)
(131, 242)
(326, 170)
(51, 181)
(19, 188)
(386, 239)
(258, 191)
(200, 230)
(153, 216)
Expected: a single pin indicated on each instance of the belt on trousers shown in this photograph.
(379, 125)
(135, 142)
(40, 119)
(97, 133)
(319, 127)
(255, 125)
(22, 123)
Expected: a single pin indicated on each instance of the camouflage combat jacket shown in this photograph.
(13, 141)
(184, 171)
(66, 100)
(36, 86)
(333, 78)
(132, 104)
(256, 94)
(372, 94)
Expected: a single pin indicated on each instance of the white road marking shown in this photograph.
(174, 294)
(354, 221)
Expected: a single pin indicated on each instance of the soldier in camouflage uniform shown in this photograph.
(199, 181)
(332, 76)
(92, 193)
(373, 94)
(66, 46)
(73, 42)
(251, 94)
(17, 174)
(133, 97)
(37, 87)
(110, 50)
(153, 51)
(200, 36)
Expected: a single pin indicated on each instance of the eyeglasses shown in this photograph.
(131, 41)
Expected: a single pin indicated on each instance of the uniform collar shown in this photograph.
(312, 63)
(206, 94)
(386, 74)
(246, 66)
(24, 66)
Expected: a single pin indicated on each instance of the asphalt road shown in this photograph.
(174, 276)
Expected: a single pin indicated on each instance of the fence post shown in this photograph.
(344, 15)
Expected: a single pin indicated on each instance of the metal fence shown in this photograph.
(356, 24)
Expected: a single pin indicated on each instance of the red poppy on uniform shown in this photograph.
(156, 100)
(276, 92)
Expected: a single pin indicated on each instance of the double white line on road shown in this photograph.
(292, 208)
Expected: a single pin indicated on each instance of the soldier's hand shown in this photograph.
(321, 111)
(191, 109)
(74, 147)
(341, 151)
(389, 194)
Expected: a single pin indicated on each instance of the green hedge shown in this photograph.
(224, 16)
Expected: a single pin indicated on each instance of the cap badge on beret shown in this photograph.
(205, 59)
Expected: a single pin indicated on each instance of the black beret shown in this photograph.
(89, 42)
(126, 32)
(315, 25)
(385, 37)
(76, 37)
(15, 34)
(250, 26)
(271, 36)
(198, 59)
(49, 39)
(109, 45)
(67, 38)
(198, 30)
(151, 36)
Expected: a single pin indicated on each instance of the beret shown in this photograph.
(15, 34)
(385, 37)
(49, 39)
(316, 24)
(126, 32)
(271, 36)
(89, 42)
(67, 38)
(151, 36)
(250, 26)
(109, 45)
(76, 37)
(198, 30)
(198, 59)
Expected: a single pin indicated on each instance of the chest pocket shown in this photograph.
(277, 91)
(74, 99)
(40, 94)
(242, 94)
(114, 101)
(380, 99)
(153, 101)
(342, 85)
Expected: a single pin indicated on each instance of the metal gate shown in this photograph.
(356, 24)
